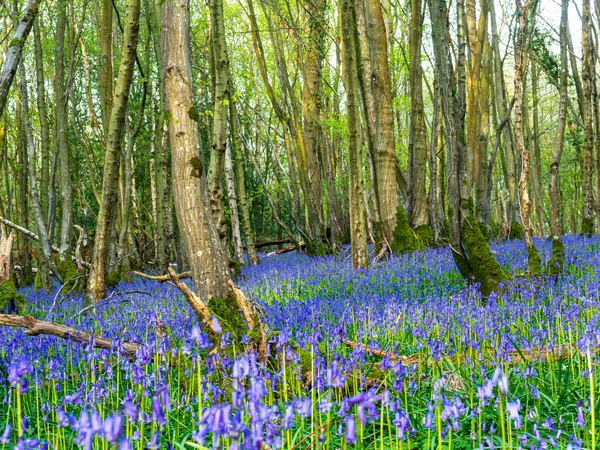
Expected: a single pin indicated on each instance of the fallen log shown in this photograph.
(271, 243)
(36, 327)
(516, 356)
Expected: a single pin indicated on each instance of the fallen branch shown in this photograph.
(163, 278)
(249, 316)
(202, 312)
(516, 356)
(35, 237)
(36, 327)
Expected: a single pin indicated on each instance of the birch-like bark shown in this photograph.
(15, 49)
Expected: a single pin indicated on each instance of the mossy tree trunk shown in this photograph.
(556, 263)
(112, 158)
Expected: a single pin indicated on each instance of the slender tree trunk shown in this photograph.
(112, 158)
(15, 48)
(106, 75)
(532, 253)
(207, 259)
(358, 234)
(555, 265)
(220, 119)
(46, 263)
(537, 152)
(61, 128)
(587, 75)
(240, 182)
(44, 127)
(418, 209)
(236, 235)
(23, 161)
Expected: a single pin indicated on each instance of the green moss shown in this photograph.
(516, 231)
(168, 117)
(557, 261)
(486, 269)
(317, 248)
(587, 226)
(37, 283)
(112, 279)
(404, 240)
(10, 297)
(485, 232)
(70, 274)
(534, 261)
(193, 114)
(236, 267)
(15, 41)
(229, 316)
(495, 229)
(425, 236)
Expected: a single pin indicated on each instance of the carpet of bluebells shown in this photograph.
(520, 371)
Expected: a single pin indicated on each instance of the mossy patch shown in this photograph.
(404, 240)
(486, 269)
(485, 231)
(533, 260)
(10, 299)
(557, 261)
(516, 231)
(70, 274)
(229, 316)
(27, 279)
(318, 248)
(425, 236)
(587, 226)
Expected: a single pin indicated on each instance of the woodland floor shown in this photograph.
(401, 355)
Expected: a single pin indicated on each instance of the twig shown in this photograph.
(163, 278)
(112, 295)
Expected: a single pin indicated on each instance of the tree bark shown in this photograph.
(220, 119)
(532, 253)
(207, 259)
(15, 48)
(587, 76)
(240, 182)
(61, 130)
(358, 232)
(106, 76)
(112, 158)
(556, 263)
(418, 208)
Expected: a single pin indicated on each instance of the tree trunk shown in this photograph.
(532, 253)
(112, 158)
(44, 127)
(15, 48)
(207, 259)
(236, 235)
(537, 152)
(240, 182)
(418, 209)
(61, 129)
(106, 75)
(556, 263)
(587, 75)
(220, 114)
(358, 233)
(45, 260)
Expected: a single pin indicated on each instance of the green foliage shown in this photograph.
(229, 316)
(9, 295)
(404, 240)
(425, 236)
(37, 283)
